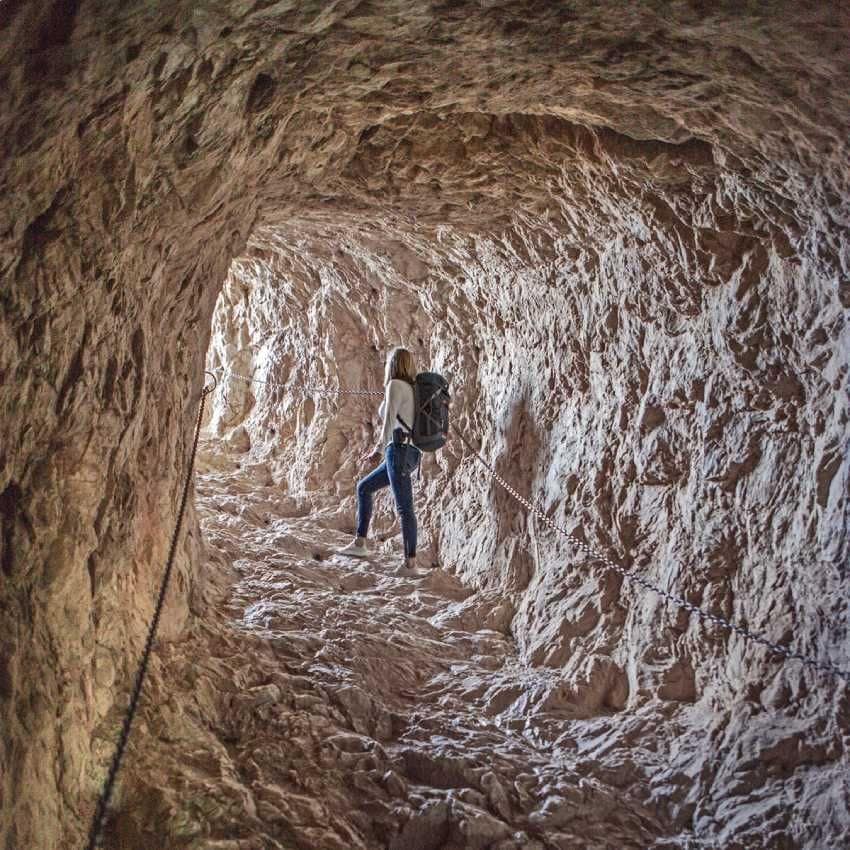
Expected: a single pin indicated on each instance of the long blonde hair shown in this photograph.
(400, 366)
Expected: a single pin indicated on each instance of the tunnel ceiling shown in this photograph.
(447, 112)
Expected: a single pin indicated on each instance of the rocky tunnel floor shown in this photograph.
(325, 702)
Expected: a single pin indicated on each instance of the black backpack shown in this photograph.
(431, 412)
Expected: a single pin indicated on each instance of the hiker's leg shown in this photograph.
(398, 470)
(366, 489)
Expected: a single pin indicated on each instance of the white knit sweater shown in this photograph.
(398, 401)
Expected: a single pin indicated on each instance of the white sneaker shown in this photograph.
(405, 571)
(354, 551)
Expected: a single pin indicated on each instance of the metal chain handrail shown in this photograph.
(747, 634)
(755, 637)
(303, 387)
(106, 793)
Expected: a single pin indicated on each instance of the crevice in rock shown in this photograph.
(58, 25)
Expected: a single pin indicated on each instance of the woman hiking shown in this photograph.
(401, 458)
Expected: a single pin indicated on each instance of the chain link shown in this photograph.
(124, 737)
(611, 566)
(307, 390)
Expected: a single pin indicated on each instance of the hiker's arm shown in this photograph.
(378, 450)
(392, 397)
(372, 455)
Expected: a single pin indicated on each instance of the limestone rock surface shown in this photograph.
(620, 229)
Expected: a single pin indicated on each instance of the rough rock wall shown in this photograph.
(630, 221)
(633, 420)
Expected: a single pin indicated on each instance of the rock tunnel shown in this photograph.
(619, 229)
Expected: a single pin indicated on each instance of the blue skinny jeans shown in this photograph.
(400, 459)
